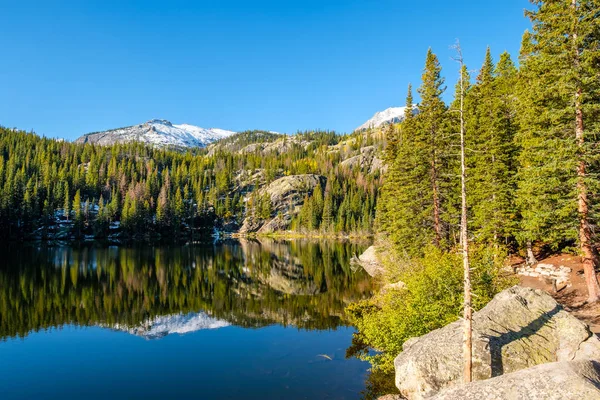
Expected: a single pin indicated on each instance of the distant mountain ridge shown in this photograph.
(158, 132)
(387, 116)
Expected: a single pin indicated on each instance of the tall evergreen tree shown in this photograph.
(414, 193)
(491, 126)
(559, 97)
(67, 202)
(431, 144)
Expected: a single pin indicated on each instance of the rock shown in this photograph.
(370, 262)
(286, 194)
(366, 160)
(554, 381)
(518, 329)
(561, 274)
(277, 224)
(390, 397)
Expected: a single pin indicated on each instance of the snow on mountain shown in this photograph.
(158, 132)
(162, 326)
(390, 115)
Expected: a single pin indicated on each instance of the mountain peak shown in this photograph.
(387, 116)
(159, 121)
(158, 132)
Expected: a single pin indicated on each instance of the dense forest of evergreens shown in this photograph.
(57, 189)
(532, 147)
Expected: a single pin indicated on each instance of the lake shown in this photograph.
(233, 319)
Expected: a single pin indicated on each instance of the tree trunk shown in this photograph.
(437, 226)
(530, 256)
(585, 232)
(464, 239)
(468, 311)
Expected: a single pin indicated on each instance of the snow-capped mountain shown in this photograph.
(162, 326)
(158, 132)
(390, 115)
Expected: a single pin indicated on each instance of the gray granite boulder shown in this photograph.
(576, 380)
(518, 329)
(370, 262)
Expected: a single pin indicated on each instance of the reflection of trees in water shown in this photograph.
(249, 283)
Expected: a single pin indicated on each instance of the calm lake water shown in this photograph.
(240, 319)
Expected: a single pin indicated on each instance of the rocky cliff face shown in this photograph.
(287, 195)
(367, 160)
(518, 329)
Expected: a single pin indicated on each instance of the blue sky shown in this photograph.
(70, 68)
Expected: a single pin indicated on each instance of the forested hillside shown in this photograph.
(60, 190)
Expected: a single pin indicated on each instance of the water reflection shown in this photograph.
(154, 291)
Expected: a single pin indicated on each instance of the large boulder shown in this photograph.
(518, 329)
(554, 381)
(370, 262)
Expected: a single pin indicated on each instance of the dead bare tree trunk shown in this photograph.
(464, 236)
(585, 232)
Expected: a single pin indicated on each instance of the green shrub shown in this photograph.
(432, 298)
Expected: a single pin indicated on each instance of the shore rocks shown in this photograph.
(560, 274)
(554, 381)
(370, 262)
(518, 329)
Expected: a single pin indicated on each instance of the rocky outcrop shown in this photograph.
(286, 194)
(370, 262)
(554, 381)
(518, 329)
(367, 160)
(285, 144)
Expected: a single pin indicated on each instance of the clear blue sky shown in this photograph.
(70, 68)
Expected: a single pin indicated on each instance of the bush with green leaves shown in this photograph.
(432, 298)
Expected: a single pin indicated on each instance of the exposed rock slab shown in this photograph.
(370, 262)
(554, 381)
(518, 329)
(286, 194)
(367, 160)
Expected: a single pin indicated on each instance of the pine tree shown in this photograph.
(67, 202)
(559, 94)
(162, 207)
(491, 129)
(401, 207)
(430, 139)
(78, 221)
(415, 190)
(178, 209)
(327, 218)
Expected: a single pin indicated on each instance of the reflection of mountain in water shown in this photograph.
(162, 326)
(153, 291)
